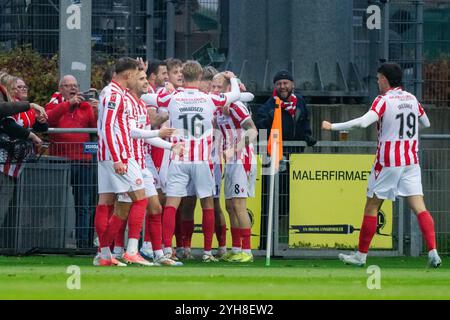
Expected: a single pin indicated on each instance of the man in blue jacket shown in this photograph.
(295, 114)
(296, 127)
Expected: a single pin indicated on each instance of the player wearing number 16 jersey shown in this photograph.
(396, 171)
(191, 112)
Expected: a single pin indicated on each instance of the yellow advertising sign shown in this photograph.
(253, 209)
(328, 194)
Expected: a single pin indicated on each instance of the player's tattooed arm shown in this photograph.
(157, 119)
(251, 133)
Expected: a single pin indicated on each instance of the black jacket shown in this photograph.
(10, 108)
(296, 128)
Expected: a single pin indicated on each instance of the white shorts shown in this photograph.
(163, 171)
(217, 179)
(238, 182)
(151, 166)
(150, 189)
(392, 182)
(191, 189)
(181, 174)
(111, 182)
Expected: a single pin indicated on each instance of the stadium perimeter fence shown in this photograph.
(50, 206)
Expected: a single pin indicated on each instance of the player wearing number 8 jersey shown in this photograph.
(238, 133)
(396, 171)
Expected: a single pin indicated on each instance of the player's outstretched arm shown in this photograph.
(159, 143)
(150, 99)
(246, 97)
(362, 122)
(148, 134)
(235, 93)
(424, 121)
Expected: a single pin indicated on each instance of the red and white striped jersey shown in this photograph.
(192, 112)
(398, 128)
(140, 120)
(156, 153)
(151, 90)
(114, 135)
(233, 132)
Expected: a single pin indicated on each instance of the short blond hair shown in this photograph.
(226, 81)
(192, 71)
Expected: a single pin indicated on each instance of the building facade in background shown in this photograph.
(200, 29)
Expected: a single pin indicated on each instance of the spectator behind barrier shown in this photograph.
(16, 125)
(8, 107)
(69, 109)
(295, 114)
(17, 128)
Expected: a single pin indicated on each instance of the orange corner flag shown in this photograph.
(276, 134)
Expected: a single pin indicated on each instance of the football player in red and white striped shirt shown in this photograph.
(238, 132)
(157, 78)
(206, 86)
(189, 202)
(191, 111)
(118, 171)
(141, 129)
(396, 171)
(160, 158)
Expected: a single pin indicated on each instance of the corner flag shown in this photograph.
(276, 133)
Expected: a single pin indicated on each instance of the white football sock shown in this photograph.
(159, 254)
(105, 253)
(147, 246)
(118, 251)
(132, 247)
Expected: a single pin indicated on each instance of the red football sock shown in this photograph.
(147, 231)
(426, 224)
(368, 230)
(168, 225)
(221, 235)
(155, 230)
(119, 240)
(236, 237)
(101, 220)
(188, 231)
(114, 225)
(179, 229)
(246, 234)
(208, 228)
(136, 218)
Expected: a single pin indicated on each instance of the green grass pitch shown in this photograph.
(45, 277)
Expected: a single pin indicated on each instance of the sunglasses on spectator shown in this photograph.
(22, 88)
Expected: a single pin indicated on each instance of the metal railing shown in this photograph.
(50, 206)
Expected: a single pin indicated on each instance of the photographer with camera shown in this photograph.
(69, 108)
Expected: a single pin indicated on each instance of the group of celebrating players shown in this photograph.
(164, 130)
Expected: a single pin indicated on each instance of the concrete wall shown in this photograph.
(266, 36)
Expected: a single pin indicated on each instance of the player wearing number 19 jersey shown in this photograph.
(396, 171)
